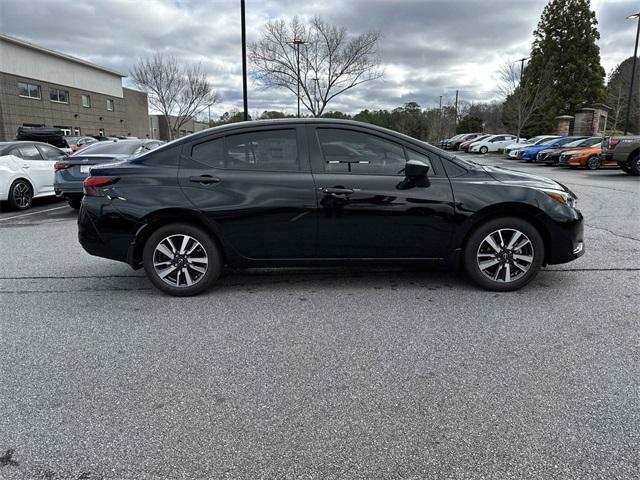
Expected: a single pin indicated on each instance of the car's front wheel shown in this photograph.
(20, 195)
(504, 254)
(593, 163)
(181, 259)
(484, 150)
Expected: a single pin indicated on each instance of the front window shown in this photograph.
(349, 151)
(29, 90)
(58, 96)
(86, 101)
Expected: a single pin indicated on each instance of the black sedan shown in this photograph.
(71, 172)
(321, 192)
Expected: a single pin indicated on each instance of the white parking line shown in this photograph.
(32, 213)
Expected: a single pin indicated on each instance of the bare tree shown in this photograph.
(522, 98)
(330, 62)
(179, 92)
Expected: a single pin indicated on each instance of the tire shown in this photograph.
(626, 170)
(484, 150)
(509, 272)
(593, 163)
(20, 195)
(634, 166)
(202, 273)
(74, 202)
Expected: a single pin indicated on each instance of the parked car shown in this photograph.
(52, 136)
(455, 144)
(464, 146)
(276, 193)
(625, 151)
(26, 172)
(492, 143)
(70, 172)
(443, 143)
(77, 142)
(551, 156)
(511, 150)
(528, 154)
(589, 158)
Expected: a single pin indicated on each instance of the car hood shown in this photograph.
(514, 177)
(581, 151)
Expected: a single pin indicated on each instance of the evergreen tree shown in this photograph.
(565, 49)
(618, 97)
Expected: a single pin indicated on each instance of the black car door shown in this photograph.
(368, 208)
(256, 187)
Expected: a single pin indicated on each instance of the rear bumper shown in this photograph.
(102, 231)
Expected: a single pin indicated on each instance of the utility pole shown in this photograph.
(440, 120)
(455, 119)
(522, 60)
(635, 16)
(244, 62)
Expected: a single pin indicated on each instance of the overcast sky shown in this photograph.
(428, 48)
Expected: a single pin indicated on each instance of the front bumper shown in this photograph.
(566, 240)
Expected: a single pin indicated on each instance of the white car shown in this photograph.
(492, 143)
(26, 172)
(511, 150)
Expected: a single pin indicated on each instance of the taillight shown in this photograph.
(60, 165)
(91, 184)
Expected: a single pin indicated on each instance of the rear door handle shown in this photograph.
(25, 166)
(338, 191)
(205, 179)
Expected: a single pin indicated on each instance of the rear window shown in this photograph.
(113, 148)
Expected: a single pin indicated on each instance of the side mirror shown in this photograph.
(416, 169)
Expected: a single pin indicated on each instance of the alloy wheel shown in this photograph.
(180, 260)
(21, 195)
(505, 255)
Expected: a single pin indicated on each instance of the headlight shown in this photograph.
(562, 197)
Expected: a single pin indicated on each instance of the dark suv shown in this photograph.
(321, 192)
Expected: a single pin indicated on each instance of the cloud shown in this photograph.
(429, 47)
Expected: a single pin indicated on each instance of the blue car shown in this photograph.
(528, 154)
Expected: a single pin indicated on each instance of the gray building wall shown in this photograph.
(160, 128)
(129, 114)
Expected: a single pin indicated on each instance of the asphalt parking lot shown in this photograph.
(327, 374)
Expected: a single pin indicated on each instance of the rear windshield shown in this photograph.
(113, 148)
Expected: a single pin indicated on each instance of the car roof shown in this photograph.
(283, 122)
(6, 146)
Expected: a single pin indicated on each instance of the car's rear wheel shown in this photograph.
(20, 195)
(593, 163)
(504, 254)
(181, 259)
(634, 165)
(484, 150)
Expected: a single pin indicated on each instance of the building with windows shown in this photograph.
(159, 127)
(43, 87)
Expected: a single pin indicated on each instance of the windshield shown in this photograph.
(110, 148)
(575, 143)
(590, 142)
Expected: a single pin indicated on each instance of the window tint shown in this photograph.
(50, 153)
(30, 152)
(166, 157)
(209, 153)
(29, 90)
(275, 150)
(356, 152)
(411, 155)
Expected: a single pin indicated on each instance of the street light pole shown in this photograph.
(244, 62)
(635, 16)
(296, 43)
(522, 60)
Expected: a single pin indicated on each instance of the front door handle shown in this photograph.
(25, 166)
(338, 191)
(204, 179)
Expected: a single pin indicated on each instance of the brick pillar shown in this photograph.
(564, 124)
